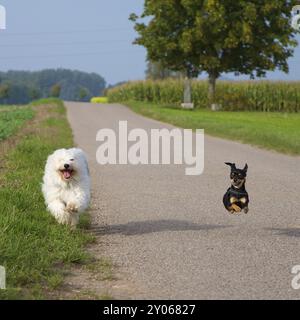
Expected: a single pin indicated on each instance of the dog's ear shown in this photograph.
(232, 165)
(246, 167)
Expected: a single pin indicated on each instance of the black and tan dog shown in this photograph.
(236, 198)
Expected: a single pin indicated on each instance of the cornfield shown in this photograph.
(267, 96)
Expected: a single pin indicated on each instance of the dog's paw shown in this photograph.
(72, 208)
(246, 210)
(236, 208)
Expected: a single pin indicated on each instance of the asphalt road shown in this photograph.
(169, 234)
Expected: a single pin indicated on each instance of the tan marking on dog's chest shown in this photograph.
(243, 200)
(233, 200)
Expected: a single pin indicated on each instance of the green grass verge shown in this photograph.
(33, 247)
(275, 131)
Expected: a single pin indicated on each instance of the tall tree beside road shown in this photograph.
(217, 36)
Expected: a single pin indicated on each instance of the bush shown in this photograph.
(233, 96)
(99, 100)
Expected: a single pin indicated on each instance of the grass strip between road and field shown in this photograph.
(34, 249)
(273, 131)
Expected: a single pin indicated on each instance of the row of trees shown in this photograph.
(20, 87)
(216, 36)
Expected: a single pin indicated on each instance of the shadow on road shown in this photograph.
(291, 232)
(151, 226)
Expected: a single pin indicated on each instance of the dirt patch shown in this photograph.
(101, 279)
(85, 284)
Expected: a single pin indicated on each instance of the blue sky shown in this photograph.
(93, 36)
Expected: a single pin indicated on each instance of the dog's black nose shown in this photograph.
(67, 166)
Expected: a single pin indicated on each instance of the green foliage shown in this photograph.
(155, 71)
(21, 87)
(55, 91)
(12, 118)
(232, 96)
(34, 93)
(4, 91)
(216, 36)
(33, 247)
(276, 131)
(83, 93)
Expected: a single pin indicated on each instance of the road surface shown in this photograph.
(169, 234)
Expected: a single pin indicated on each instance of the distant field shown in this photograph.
(12, 118)
(276, 131)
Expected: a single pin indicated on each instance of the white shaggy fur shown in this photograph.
(67, 192)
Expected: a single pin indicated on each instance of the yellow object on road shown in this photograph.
(99, 100)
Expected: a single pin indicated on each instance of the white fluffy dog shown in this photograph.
(66, 185)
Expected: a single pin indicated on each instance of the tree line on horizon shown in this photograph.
(21, 87)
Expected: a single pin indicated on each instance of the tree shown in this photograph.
(34, 93)
(156, 71)
(4, 90)
(217, 36)
(83, 94)
(25, 86)
(55, 91)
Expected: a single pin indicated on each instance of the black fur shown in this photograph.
(237, 190)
